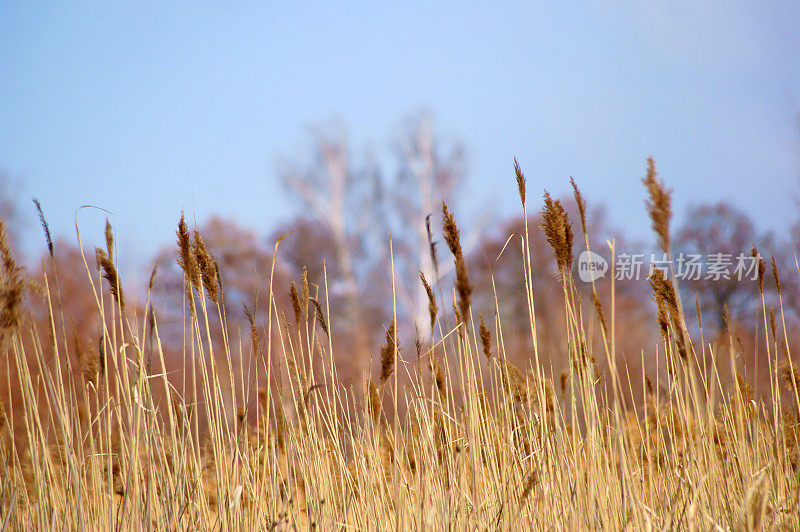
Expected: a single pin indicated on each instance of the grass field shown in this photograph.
(447, 434)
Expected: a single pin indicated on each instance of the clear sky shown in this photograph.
(147, 108)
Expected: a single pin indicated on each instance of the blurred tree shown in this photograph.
(336, 195)
(429, 172)
(350, 211)
(723, 237)
(500, 278)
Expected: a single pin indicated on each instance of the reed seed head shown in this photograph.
(581, 205)
(320, 316)
(295, 305)
(658, 206)
(388, 351)
(12, 284)
(109, 240)
(598, 307)
(486, 339)
(667, 302)
(762, 268)
(558, 231)
(451, 232)
(462, 285)
(305, 294)
(776, 276)
(772, 327)
(153, 274)
(789, 374)
(91, 362)
(433, 310)
(520, 181)
(45, 226)
(255, 341)
(375, 406)
(110, 275)
(207, 266)
(187, 261)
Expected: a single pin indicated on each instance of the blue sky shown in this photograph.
(148, 108)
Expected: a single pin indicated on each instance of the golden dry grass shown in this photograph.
(471, 442)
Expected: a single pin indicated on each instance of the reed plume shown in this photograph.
(187, 261)
(320, 316)
(462, 285)
(374, 402)
(581, 205)
(91, 362)
(558, 232)
(776, 276)
(255, 341)
(762, 268)
(658, 206)
(45, 226)
(109, 240)
(772, 327)
(667, 302)
(520, 181)
(151, 282)
(12, 284)
(789, 373)
(388, 352)
(598, 307)
(305, 294)
(295, 298)
(110, 275)
(486, 339)
(433, 310)
(207, 266)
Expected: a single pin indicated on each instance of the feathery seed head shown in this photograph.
(558, 231)
(388, 352)
(109, 240)
(305, 294)
(581, 204)
(486, 339)
(45, 226)
(520, 181)
(658, 206)
(295, 305)
(110, 275)
(776, 276)
(207, 266)
(432, 308)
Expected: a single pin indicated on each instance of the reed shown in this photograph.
(262, 433)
